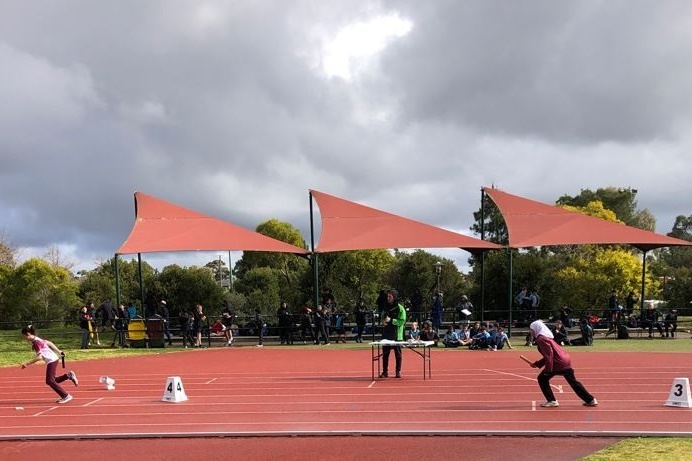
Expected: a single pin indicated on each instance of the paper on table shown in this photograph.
(466, 312)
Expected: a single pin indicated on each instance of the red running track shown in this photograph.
(274, 391)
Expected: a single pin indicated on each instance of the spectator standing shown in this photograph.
(381, 304)
(306, 324)
(121, 322)
(198, 319)
(259, 324)
(394, 323)
(320, 325)
(340, 326)
(227, 318)
(131, 310)
(613, 306)
(437, 311)
(84, 325)
(361, 314)
(106, 313)
(555, 361)
(285, 324)
(630, 301)
(166, 316)
(186, 328)
(93, 323)
(464, 309)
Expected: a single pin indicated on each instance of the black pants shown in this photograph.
(359, 332)
(306, 328)
(544, 382)
(385, 358)
(320, 330)
(54, 382)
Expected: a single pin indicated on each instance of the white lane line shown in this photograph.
(211, 380)
(533, 405)
(93, 401)
(371, 384)
(44, 411)
(558, 388)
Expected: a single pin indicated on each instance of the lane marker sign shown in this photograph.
(679, 395)
(174, 391)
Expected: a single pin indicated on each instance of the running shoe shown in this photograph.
(73, 377)
(593, 403)
(66, 399)
(550, 404)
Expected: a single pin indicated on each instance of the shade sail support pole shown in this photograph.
(313, 258)
(482, 256)
(641, 297)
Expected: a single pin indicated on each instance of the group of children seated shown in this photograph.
(490, 337)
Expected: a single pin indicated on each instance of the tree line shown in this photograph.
(581, 277)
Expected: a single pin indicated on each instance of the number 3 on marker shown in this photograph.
(678, 391)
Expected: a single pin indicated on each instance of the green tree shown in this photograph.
(352, 275)
(99, 284)
(261, 288)
(622, 201)
(35, 291)
(185, 287)
(290, 268)
(493, 226)
(586, 283)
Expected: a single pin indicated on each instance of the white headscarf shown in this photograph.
(539, 328)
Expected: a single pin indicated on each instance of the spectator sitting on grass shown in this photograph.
(428, 334)
(450, 338)
(217, 328)
(501, 339)
(481, 339)
(560, 333)
(586, 332)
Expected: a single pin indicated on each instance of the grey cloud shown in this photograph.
(583, 71)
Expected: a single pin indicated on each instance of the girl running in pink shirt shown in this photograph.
(49, 353)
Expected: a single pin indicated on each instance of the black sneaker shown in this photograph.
(384, 374)
(73, 377)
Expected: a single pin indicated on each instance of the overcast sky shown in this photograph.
(237, 108)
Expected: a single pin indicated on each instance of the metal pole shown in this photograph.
(313, 258)
(230, 271)
(220, 273)
(141, 280)
(509, 292)
(641, 297)
(482, 255)
(117, 280)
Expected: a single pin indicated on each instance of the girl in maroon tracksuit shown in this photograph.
(555, 362)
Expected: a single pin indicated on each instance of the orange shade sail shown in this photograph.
(350, 226)
(161, 226)
(530, 224)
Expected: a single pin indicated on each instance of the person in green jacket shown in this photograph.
(394, 322)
